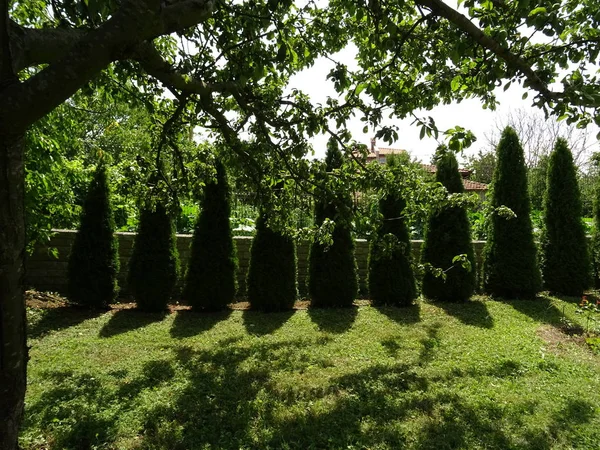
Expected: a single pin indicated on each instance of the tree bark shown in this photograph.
(13, 345)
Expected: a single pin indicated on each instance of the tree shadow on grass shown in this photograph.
(192, 323)
(541, 309)
(403, 316)
(126, 320)
(260, 323)
(333, 320)
(54, 319)
(472, 312)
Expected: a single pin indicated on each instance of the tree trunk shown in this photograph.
(13, 345)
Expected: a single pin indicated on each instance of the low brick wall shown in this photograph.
(47, 273)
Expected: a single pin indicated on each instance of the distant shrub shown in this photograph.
(211, 275)
(510, 257)
(564, 251)
(447, 235)
(154, 264)
(94, 260)
(272, 273)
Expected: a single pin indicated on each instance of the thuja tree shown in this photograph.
(271, 281)
(391, 278)
(595, 251)
(564, 253)
(448, 235)
(94, 259)
(510, 258)
(210, 281)
(154, 264)
(332, 274)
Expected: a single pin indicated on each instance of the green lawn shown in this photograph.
(486, 374)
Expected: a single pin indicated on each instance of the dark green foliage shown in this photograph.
(272, 272)
(154, 264)
(564, 259)
(332, 273)
(510, 262)
(447, 235)
(210, 280)
(94, 259)
(391, 278)
(595, 250)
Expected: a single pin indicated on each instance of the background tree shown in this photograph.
(154, 263)
(332, 273)
(391, 278)
(510, 263)
(94, 259)
(482, 166)
(210, 281)
(448, 235)
(564, 248)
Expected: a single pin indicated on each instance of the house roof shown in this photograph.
(471, 185)
(431, 168)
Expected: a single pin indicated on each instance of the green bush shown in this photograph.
(595, 250)
(564, 253)
(447, 235)
(510, 257)
(154, 264)
(94, 260)
(211, 275)
(332, 273)
(272, 272)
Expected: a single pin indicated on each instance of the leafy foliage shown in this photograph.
(564, 249)
(448, 235)
(210, 281)
(154, 264)
(510, 262)
(94, 259)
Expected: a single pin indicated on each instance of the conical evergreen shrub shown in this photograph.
(332, 273)
(595, 251)
(272, 273)
(448, 234)
(154, 264)
(94, 260)
(211, 275)
(510, 267)
(564, 252)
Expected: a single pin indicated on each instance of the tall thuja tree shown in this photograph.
(510, 261)
(271, 282)
(391, 278)
(564, 258)
(447, 235)
(595, 250)
(94, 259)
(211, 275)
(332, 274)
(154, 264)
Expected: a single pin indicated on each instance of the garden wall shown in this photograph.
(46, 272)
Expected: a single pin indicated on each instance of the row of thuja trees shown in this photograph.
(512, 268)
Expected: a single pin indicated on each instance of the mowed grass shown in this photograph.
(487, 374)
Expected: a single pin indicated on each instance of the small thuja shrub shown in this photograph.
(272, 273)
(391, 278)
(510, 257)
(564, 251)
(154, 263)
(448, 235)
(332, 273)
(94, 260)
(211, 274)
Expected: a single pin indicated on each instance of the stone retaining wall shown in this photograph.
(48, 273)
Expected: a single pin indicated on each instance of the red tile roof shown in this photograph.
(471, 185)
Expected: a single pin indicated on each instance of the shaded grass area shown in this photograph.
(474, 375)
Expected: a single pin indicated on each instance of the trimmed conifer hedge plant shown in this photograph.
(154, 263)
(271, 282)
(94, 260)
(510, 266)
(448, 234)
(564, 251)
(210, 282)
(595, 250)
(332, 272)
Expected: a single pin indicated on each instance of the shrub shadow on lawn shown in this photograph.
(401, 315)
(540, 309)
(55, 319)
(261, 323)
(472, 312)
(192, 323)
(333, 320)
(126, 320)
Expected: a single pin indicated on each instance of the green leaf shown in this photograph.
(456, 83)
(536, 11)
